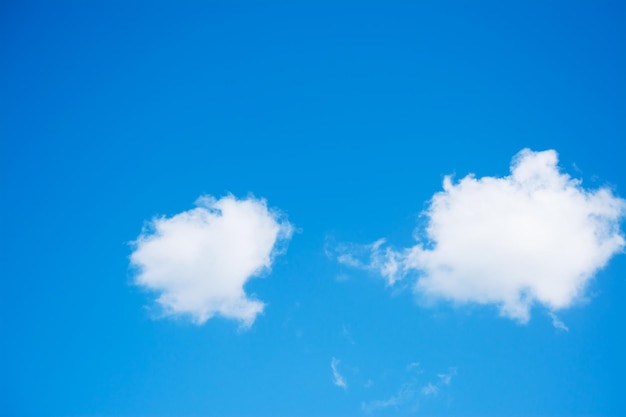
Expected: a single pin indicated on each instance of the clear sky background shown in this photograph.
(345, 117)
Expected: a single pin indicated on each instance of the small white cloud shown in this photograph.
(198, 261)
(346, 334)
(380, 259)
(557, 323)
(430, 389)
(444, 379)
(338, 379)
(404, 395)
(414, 367)
(535, 236)
(408, 395)
(433, 388)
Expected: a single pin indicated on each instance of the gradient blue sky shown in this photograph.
(345, 116)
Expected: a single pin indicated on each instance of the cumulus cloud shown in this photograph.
(338, 379)
(534, 236)
(198, 261)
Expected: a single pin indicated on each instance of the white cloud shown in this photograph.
(444, 379)
(408, 395)
(405, 394)
(415, 367)
(338, 379)
(557, 323)
(198, 261)
(430, 389)
(433, 388)
(535, 236)
(383, 260)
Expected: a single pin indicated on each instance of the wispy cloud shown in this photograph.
(535, 236)
(430, 389)
(338, 379)
(198, 261)
(346, 334)
(409, 394)
(444, 379)
(414, 367)
(557, 323)
(373, 257)
(433, 388)
(405, 394)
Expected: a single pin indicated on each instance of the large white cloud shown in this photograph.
(535, 236)
(198, 261)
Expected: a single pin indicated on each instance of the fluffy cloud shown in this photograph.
(535, 236)
(198, 261)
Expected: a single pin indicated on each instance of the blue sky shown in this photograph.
(319, 128)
